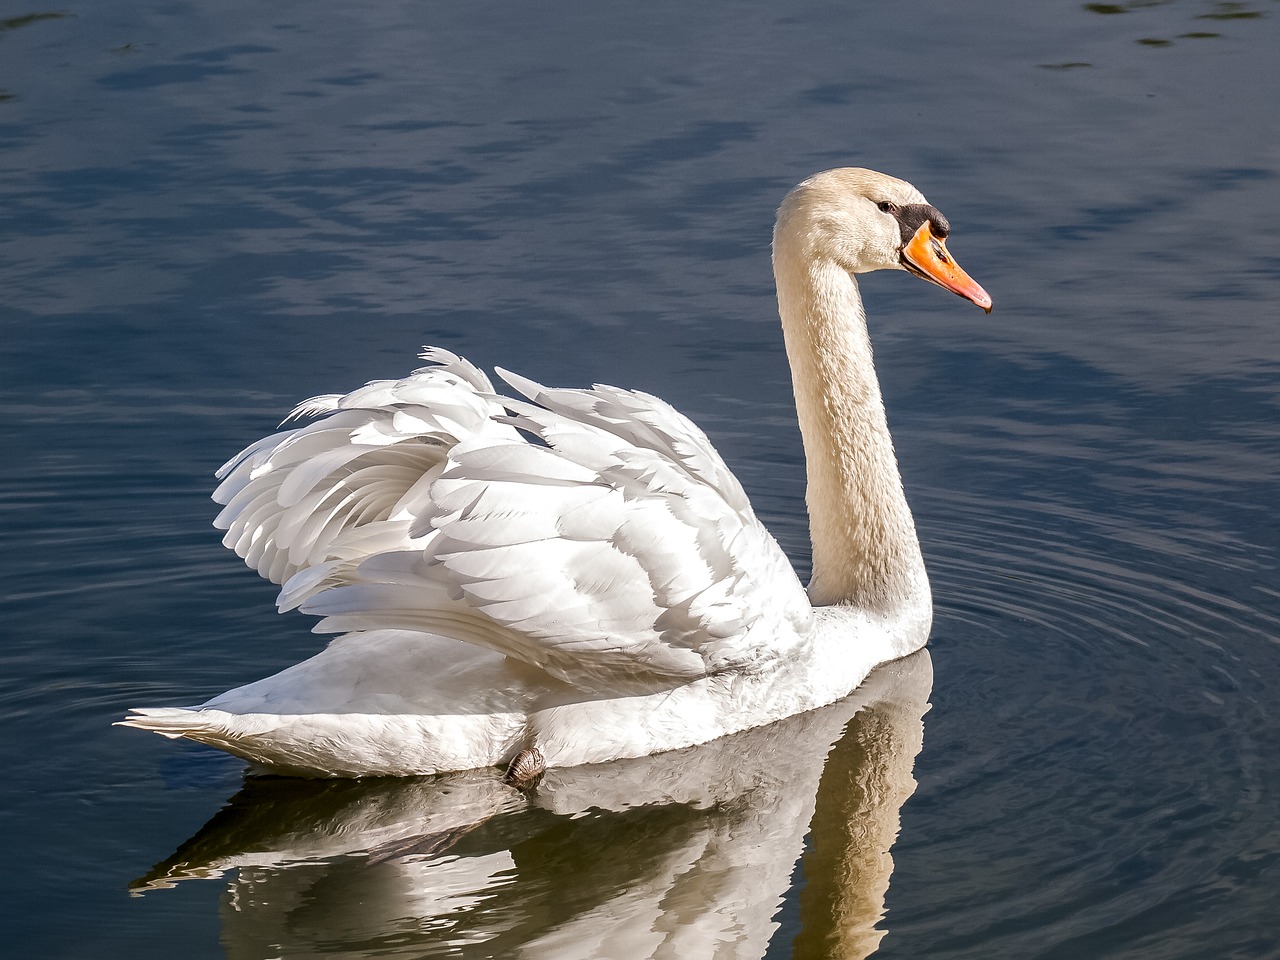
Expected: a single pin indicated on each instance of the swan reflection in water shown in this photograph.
(682, 854)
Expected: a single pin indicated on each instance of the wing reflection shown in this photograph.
(683, 854)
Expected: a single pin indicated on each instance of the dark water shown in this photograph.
(210, 211)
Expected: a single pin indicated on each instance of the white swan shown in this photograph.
(603, 591)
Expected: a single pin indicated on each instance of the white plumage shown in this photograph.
(577, 572)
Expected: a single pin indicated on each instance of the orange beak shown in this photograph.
(926, 256)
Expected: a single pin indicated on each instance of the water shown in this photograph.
(208, 212)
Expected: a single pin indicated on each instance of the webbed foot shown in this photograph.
(529, 764)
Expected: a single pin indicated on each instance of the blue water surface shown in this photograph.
(209, 212)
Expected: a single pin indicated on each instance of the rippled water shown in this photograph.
(208, 212)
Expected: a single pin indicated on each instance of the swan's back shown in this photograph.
(595, 534)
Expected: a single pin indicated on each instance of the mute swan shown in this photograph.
(603, 591)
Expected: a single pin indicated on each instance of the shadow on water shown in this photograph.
(685, 854)
(13, 23)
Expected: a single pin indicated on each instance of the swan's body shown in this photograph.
(604, 591)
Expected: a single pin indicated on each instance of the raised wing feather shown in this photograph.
(593, 533)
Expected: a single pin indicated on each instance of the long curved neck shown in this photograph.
(865, 550)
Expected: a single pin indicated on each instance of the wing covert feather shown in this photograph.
(593, 533)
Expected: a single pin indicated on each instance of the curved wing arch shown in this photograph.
(595, 534)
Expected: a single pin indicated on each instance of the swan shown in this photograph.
(573, 576)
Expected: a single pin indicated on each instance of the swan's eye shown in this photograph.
(888, 206)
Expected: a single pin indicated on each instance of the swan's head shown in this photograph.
(863, 221)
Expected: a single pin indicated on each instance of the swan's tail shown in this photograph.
(173, 722)
(343, 744)
(261, 739)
